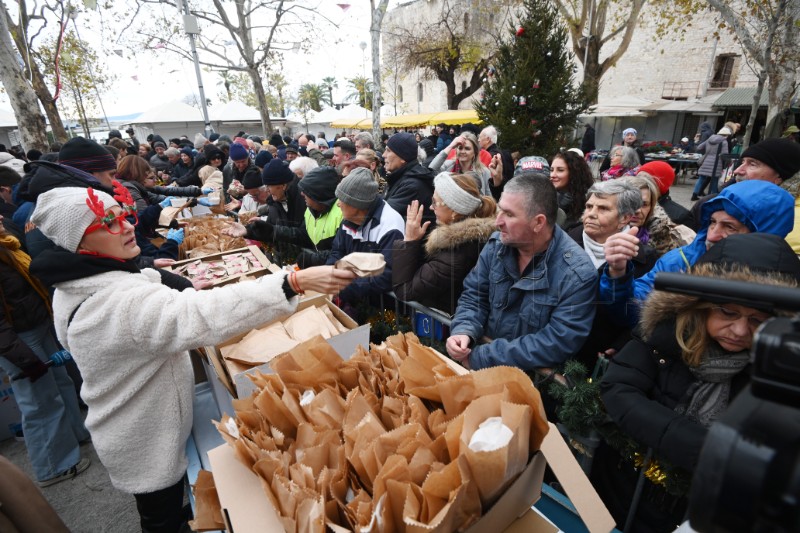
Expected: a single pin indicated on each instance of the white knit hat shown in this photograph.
(63, 215)
(454, 196)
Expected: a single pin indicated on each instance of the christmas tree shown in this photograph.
(529, 93)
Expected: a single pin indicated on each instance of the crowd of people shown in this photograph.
(536, 261)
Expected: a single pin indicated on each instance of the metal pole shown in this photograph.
(191, 28)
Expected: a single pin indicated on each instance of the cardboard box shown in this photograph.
(10, 415)
(246, 509)
(233, 376)
(267, 266)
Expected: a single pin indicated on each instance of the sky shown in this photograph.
(155, 76)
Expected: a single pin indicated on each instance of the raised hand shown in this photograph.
(415, 228)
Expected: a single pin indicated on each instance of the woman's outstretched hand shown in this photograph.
(324, 279)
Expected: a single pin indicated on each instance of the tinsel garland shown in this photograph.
(582, 412)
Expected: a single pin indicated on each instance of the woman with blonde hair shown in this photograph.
(467, 160)
(664, 390)
(431, 269)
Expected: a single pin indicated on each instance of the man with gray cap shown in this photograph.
(407, 179)
(368, 225)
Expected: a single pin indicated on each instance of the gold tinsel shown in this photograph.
(653, 471)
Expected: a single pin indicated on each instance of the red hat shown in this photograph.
(663, 173)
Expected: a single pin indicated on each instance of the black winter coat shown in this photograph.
(433, 274)
(27, 310)
(410, 182)
(676, 212)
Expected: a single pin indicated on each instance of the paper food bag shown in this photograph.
(364, 264)
(208, 511)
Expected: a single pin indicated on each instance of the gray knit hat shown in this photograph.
(359, 189)
(63, 215)
(199, 141)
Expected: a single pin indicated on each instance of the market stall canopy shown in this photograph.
(169, 112)
(741, 97)
(7, 119)
(625, 106)
(697, 106)
(298, 118)
(235, 111)
(456, 116)
(350, 115)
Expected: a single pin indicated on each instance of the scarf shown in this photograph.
(58, 265)
(707, 397)
(595, 250)
(21, 262)
(643, 235)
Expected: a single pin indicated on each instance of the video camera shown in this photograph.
(748, 474)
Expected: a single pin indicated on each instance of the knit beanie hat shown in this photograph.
(188, 151)
(241, 140)
(238, 152)
(199, 141)
(291, 149)
(252, 179)
(276, 140)
(63, 215)
(629, 130)
(761, 252)
(782, 155)
(662, 172)
(277, 173)
(319, 184)
(86, 155)
(404, 145)
(213, 137)
(263, 158)
(359, 189)
(454, 196)
(159, 143)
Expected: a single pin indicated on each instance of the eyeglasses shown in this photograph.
(114, 223)
(437, 203)
(730, 315)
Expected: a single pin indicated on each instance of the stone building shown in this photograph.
(664, 87)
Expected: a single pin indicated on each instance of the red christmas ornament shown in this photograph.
(535, 84)
(520, 31)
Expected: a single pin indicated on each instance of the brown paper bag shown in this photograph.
(363, 264)
(260, 346)
(208, 511)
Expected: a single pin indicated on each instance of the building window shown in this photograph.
(463, 85)
(723, 71)
(419, 92)
(399, 93)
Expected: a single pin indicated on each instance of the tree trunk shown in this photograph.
(592, 72)
(263, 109)
(40, 88)
(376, 20)
(450, 84)
(81, 112)
(748, 133)
(30, 121)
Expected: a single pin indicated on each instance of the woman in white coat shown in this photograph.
(130, 336)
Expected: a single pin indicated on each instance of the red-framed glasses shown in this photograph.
(113, 223)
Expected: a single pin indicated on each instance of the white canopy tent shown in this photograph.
(170, 119)
(8, 124)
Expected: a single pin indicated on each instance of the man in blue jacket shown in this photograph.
(368, 225)
(532, 291)
(747, 207)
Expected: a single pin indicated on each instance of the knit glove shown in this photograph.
(206, 190)
(167, 202)
(204, 201)
(60, 358)
(34, 370)
(175, 235)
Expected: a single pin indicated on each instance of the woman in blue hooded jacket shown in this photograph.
(747, 207)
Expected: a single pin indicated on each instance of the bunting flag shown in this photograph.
(135, 77)
(344, 7)
(160, 45)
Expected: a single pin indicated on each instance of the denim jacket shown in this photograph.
(535, 320)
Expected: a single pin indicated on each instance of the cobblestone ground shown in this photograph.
(89, 504)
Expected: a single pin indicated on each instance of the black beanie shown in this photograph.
(9, 176)
(404, 145)
(86, 155)
(252, 179)
(319, 184)
(262, 158)
(276, 173)
(276, 140)
(761, 252)
(782, 155)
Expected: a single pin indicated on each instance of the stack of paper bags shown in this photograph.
(203, 236)
(262, 345)
(389, 441)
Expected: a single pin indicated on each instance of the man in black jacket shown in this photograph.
(407, 179)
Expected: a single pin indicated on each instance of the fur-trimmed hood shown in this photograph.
(446, 237)
(661, 306)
